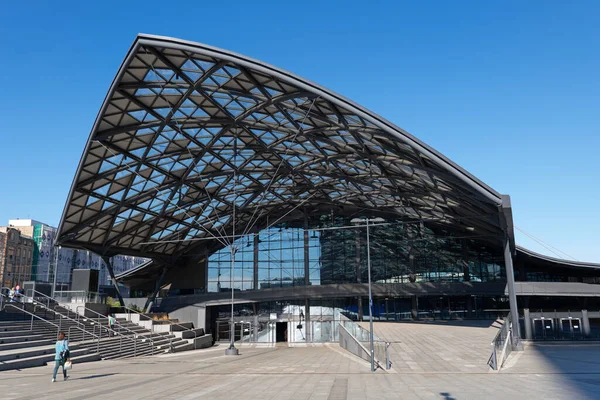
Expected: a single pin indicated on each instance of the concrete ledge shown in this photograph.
(203, 342)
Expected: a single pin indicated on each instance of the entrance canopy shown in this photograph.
(195, 143)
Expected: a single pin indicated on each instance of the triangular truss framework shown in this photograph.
(183, 120)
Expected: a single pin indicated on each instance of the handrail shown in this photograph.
(501, 342)
(61, 316)
(35, 302)
(135, 334)
(84, 295)
(33, 315)
(2, 295)
(171, 339)
(83, 337)
(58, 328)
(360, 335)
(39, 293)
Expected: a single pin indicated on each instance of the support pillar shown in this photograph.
(414, 309)
(522, 273)
(359, 311)
(159, 282)
(255, 327)
(307, 329)
(255, 263)
(466, 271)
(357, 256)
(306, 252)
(512, 296)
(470, 306)
(527, 323)
(585, 323)
(112, 278)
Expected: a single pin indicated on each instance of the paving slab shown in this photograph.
(313, 372)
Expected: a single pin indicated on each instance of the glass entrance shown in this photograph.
(570, 328)
(543, 328)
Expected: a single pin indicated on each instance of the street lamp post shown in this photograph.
(232, 350)
(358, 221)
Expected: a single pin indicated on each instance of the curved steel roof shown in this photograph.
(187, 131)
(558, 261)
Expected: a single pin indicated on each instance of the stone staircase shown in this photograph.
(28, 332)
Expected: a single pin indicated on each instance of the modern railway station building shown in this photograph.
(229, 173)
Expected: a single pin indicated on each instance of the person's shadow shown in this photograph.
(93, 376)
(447, 396)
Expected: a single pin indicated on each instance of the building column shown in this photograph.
(112, 278)
(466, 271)
(527, 323)
(159, 282)
(307, 329)
(306, 252)
(585, 323)
(357, 256)
(512, 296)
(414, 309)
(359, 311)
(255, 327)
(255, 263)
(522, 273)
(470, 306)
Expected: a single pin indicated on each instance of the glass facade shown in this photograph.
(336, 252)
(291, 321)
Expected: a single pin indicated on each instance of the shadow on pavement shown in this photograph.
(576, 364)
(467, 323)
(447, 396)
(93, 377)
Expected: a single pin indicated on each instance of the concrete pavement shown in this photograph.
(320, 372)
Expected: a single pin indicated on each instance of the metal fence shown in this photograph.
(501, 345)
(362, 338)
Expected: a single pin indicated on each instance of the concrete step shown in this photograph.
(86, 358)
(14, 354)
(128, 353)
(190, 333)
(183, 326)
(27, 336)
(25, 344)
(185, 346)
(37, 360)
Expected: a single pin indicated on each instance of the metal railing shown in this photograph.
(170, 323)
(117, 332)
(3, 296)
(58, 327)
(501, 345)
(77, 296)
(35, 300)
(362, 336)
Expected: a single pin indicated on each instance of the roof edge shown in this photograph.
(573, 263)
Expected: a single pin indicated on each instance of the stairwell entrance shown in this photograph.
(281, 332)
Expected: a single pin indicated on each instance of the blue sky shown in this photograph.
(509, 90)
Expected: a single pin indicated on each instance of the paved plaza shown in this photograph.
(438, 346)
(319, 372)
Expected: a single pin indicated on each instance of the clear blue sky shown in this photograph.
(510, 90)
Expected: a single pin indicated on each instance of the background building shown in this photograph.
(17, 253)
(44, 255)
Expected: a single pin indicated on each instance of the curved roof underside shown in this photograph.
(181, 119)
(555, 261)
